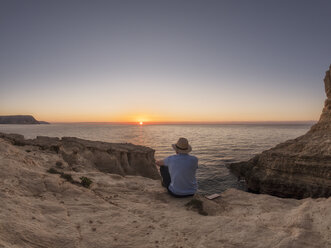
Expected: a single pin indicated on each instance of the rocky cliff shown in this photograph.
(20, 119)
(84, 155)
(43, 204)
(297, 168)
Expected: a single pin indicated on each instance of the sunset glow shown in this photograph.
(163, 61)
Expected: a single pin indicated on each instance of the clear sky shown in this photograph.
(170, 60)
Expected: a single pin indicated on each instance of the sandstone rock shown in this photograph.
(122, 159)
(297, 168)
(327, 81)
(43, 210)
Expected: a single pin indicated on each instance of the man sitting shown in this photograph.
(178, 171)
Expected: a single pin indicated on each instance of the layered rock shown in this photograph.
(297, 168)
(42, 210)
(84, 155)
(20, 119)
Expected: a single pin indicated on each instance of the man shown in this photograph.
(178, 171)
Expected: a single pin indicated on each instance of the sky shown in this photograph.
(164, 61)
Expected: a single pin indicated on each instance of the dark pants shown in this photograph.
(166, 180)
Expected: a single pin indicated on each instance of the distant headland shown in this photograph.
(20, 119)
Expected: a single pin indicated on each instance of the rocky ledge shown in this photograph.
(85, 155)
(49, 199)
(20, 119)
(297, 168)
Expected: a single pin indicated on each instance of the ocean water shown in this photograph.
(214, 145)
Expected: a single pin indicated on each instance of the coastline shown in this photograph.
(40, 209)
(296, 168)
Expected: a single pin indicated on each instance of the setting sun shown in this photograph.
(140, 123)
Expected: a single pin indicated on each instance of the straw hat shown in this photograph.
(182, 146)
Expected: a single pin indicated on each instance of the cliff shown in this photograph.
(84, 155)
(297, 168)
(44, 204)
(20, 119)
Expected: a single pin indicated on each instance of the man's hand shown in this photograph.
(159, 163)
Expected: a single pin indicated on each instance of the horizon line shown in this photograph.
(188, 122)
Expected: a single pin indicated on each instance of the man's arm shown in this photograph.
(159, 162)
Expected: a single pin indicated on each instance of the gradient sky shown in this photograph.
(180, 60)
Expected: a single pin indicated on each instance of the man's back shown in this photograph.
(182, 170)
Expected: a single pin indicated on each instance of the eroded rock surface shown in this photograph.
(42, 210)
(297, 168)
(84, 155)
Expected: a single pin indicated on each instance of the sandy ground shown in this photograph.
(39, 209)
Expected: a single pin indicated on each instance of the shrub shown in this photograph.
(58, 163)
(53, 171)
(67, 177)
(85, 182)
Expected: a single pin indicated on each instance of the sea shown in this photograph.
(214, 145)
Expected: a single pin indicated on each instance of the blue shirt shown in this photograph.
(182, 169)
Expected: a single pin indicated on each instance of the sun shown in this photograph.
(140, 123)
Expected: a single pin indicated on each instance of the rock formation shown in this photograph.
(20, 119)
(297, 168)
(39, 209)
(84, 155)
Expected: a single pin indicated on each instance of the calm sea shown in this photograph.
(214, 145)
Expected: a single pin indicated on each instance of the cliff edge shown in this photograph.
(76, 154)
(297, 168)
(43, 205)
